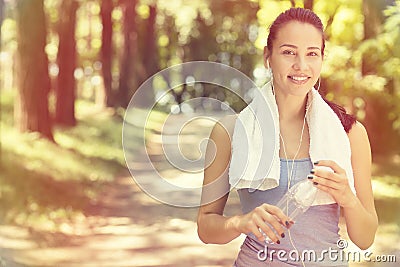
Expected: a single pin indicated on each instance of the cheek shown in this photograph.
(282, 65)
(317, 66)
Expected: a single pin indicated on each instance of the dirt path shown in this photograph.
(126, 227)
(130, 229)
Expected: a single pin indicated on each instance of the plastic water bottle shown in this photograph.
(297, 200)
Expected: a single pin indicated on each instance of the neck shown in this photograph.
(290, 107)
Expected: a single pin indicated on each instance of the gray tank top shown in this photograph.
(316, 231)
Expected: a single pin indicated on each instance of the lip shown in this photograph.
(299, 79)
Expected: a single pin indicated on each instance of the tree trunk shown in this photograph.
(106, 51)
(128, 79)
(372, 10)
(377, 106)
(373, 14)
(150, 58)
(66, 59)
(31, 104)
(308, 4)
(1, 23)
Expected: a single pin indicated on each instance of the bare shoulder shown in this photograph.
(357, 132)
(218, 152)
(224, 127)
(360, 145)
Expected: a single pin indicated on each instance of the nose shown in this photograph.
(300, 64)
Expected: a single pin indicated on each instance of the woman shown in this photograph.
(294, 53)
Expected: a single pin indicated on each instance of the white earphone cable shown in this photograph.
(290, 173)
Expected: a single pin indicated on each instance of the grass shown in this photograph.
(41, 181)
(386, 177)
(386, 187)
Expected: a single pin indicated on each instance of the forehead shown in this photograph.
(299, 34)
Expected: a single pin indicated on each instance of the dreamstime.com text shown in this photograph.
(332, 254)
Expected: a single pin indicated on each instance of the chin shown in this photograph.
(300, 91)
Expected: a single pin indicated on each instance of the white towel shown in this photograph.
(255, 162)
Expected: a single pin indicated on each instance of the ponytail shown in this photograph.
(346, 119)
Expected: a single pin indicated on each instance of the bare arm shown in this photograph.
(213, 227)
(360, 214)
(359, 210)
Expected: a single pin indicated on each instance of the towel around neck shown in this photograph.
(255, 162)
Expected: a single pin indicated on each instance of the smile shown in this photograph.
(299, 79)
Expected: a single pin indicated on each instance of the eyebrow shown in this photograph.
(293, 46)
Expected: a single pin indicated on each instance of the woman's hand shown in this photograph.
(334, 183)
(265, 220)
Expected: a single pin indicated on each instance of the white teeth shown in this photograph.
(299, 78)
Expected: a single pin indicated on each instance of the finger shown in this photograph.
(256, 224)
(327, 174)
(267, 231)
(277, 219)
(331, 164)
(253, 228)
(276, 225)
(325, 182)
(324, 188)
(280, 216)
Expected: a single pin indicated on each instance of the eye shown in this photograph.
(289, 52)
(313, 54)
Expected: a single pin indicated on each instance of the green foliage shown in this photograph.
(184, 14)
(230, 32)
(338, 61)
(46, 183)
(346, 24)
(384, 53)
(347, 54)
(269, 10)
(391, 36)
(40, 178)
(386, 187)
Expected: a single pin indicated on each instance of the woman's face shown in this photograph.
(296, 58)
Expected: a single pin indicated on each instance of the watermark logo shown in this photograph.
(336, 254)
(160, 161)
(342, 244)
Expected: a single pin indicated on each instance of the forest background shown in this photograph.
(69, 68)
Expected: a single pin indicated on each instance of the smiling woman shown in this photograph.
(295, 60)
(316, 140)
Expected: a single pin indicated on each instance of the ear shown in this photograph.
(266, 56)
